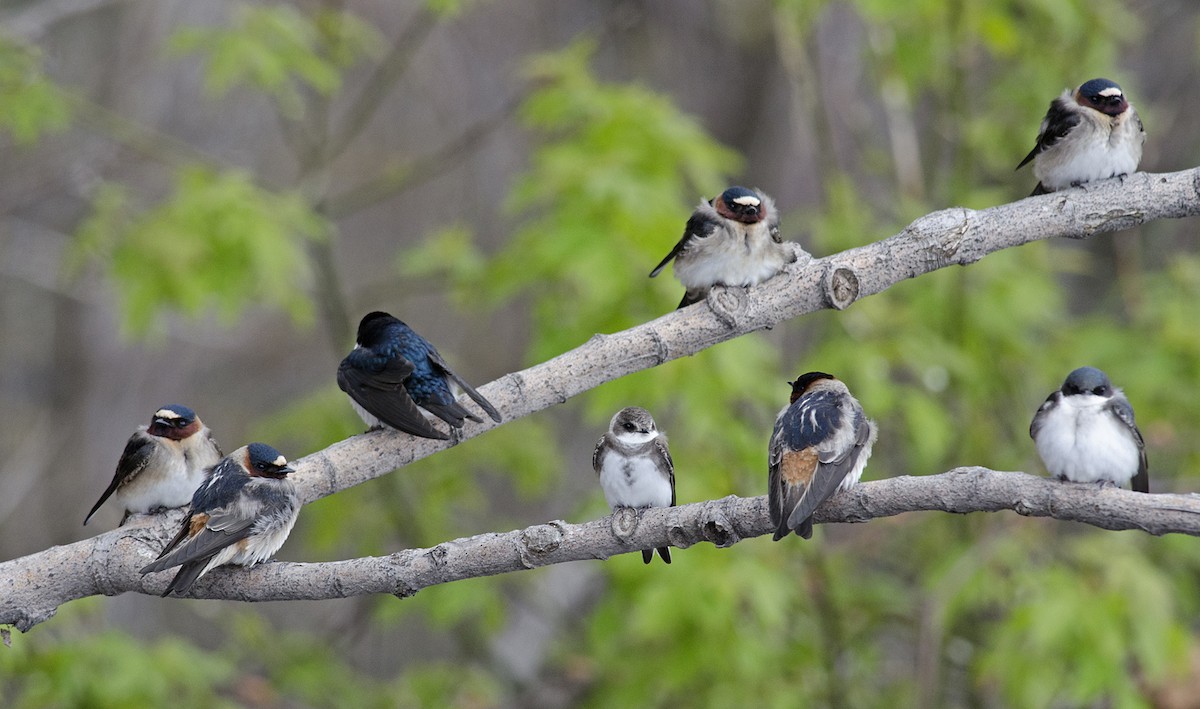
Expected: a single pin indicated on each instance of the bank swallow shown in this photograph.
(635, 466)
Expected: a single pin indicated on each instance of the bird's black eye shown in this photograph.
(630, 427)
(1098, 391)
(260, 465)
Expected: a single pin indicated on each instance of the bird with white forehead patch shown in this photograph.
(241, 515)
(635, 467)
(162, 464)
(731, 240)
(1091, 133)
(397, 378)
(1085, 432)
(820, 444)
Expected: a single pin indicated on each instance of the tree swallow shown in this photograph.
(635, 466)
(732, 240)
(821, 443)
(396, 377)
(241, 515)
(1090, 134)
(1085, 432)
(162, 464)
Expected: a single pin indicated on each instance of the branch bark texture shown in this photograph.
(32, 587)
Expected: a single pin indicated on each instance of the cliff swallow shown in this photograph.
(821, 443)
(732, 240)
(1091, 133)
(241, 515)
(162, 464)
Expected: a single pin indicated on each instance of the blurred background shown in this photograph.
(198, 201)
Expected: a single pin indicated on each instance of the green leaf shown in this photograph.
(30, 104)
(218, 241)
(280, 51)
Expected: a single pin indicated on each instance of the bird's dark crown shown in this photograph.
(805, 381)
(374, 324)
(173, 421)
(1087, 380)
(740, 204)
(1104, 95)
(264, 461)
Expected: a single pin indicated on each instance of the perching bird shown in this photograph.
(732, 240)
(162, 464)
(1085, 432)
(395, 377)
(241, 515)
(821, 443)
(635, 466)
(1092, 133)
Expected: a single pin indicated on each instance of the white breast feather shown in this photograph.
(171, 486)
(1091, 151)
(633, 482)
(733, 256)
(1082, 442)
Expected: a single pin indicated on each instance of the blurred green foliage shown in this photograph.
(923, 610)
(86, 665)
(217, 241)
(281, 51)
(30, 104)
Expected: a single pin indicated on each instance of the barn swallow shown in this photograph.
(732, 240)
(821, 443)
(635, 466)
(163, 463)
(241, 515)
(1091, 133)
(396, 377)
(1085, 432)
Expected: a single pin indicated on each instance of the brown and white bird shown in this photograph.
(1091, 133)
(241, 515)
(732, 240)
(635, 466)
(162, 464)
(821, 443)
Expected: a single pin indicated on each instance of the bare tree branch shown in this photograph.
(32, 587)
(36, 585)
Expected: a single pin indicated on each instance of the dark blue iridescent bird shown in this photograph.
(395, 377)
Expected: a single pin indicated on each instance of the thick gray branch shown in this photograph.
(32, 587)
(950, 237)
